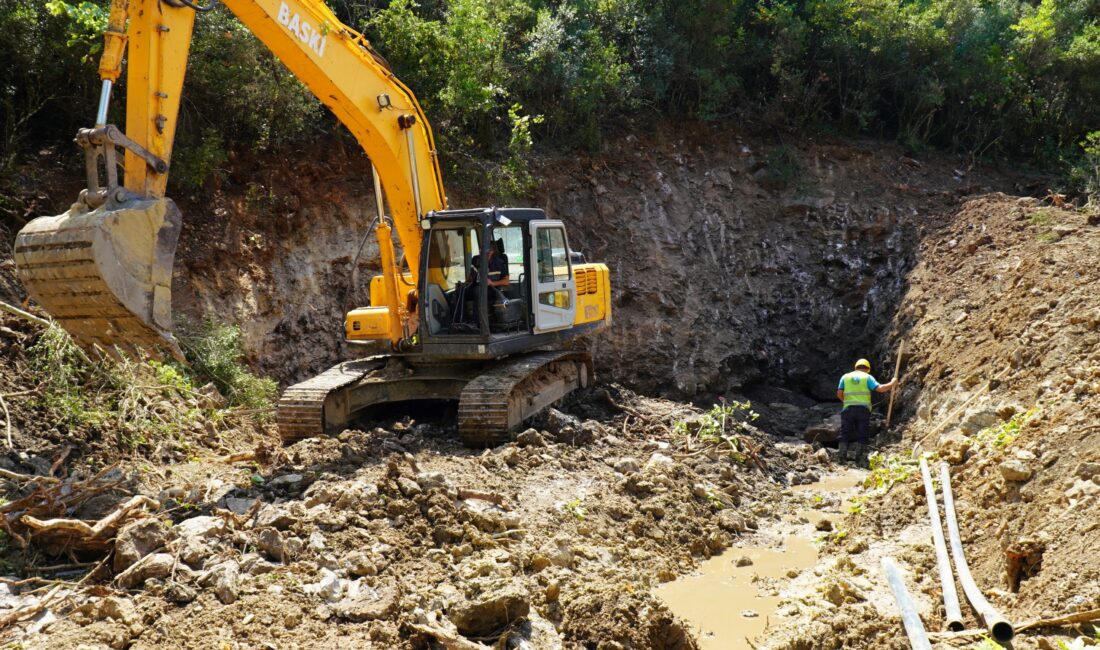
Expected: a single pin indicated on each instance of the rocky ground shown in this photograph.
(399, 537)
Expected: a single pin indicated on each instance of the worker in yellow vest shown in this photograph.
(855, 420)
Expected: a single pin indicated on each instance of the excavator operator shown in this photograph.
(468, 292)
(497, 263)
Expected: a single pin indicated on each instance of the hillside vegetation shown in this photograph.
(992, 78)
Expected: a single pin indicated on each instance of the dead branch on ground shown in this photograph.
(491, 497)
(446, 633)
(40, 517)
(30, 610)
(29, 478)
(7, 420)
(80, 528)
(1068, 619)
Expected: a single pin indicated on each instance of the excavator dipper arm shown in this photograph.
(103, 269)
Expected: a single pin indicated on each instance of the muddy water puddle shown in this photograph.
(726, 604)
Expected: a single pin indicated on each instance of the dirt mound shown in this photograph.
(1001, 323)
(1003, 310)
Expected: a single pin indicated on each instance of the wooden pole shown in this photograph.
(894, 390)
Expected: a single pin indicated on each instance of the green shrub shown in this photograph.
(1004, 434)
(721, 425)
(889, 469)
(1084, 174)
(985, 78)
(63, 370)
(214, 351)
(136, 401)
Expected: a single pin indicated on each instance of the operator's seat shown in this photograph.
(511, 312)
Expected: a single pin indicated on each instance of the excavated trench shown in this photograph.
(741, 270)
(741, 267)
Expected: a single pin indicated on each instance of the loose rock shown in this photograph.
(199, 527)
(1015, 470)
(271, 542)
(491, 611)
(627, 465)
(359, 564)
(530, 438)
(369, 605)
(157, 565)
(953, 447)
(138, 539)
(224, 579)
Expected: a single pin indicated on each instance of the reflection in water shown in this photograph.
(723, 601)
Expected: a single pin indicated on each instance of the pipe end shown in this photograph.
(955, 626)
(1002, 631)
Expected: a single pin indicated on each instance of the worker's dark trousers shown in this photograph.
(855, 424)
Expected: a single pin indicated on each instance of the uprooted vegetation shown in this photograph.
(102, 403)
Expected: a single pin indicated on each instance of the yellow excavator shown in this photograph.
(484, 309)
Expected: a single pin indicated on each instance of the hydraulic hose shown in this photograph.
(209, 6)
(914, 629)
(353, 282)
(954, 621)
(999, 627)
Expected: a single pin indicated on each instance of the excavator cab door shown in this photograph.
(553, 290)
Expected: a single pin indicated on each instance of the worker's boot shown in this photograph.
(854, 450)
(864, 455)
(842, 452)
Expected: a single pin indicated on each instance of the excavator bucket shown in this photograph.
(105, 274)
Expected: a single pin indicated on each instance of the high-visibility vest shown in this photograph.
(856, 390)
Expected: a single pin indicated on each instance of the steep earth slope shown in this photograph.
(1001, 323)
(1005, 301)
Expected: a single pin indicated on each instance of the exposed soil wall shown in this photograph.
(1001, 323)
(735, 260)
(1008, 292)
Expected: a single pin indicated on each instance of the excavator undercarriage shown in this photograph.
(494, 398)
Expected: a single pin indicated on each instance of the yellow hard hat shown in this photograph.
(863, 363)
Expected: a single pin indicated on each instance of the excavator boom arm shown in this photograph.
(334, 61)
(104, 268)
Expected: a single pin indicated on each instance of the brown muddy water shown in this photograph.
(728, 605)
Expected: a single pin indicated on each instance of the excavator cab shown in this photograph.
(531, 298)
(464, 247)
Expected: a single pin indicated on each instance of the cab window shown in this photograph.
(553, 257)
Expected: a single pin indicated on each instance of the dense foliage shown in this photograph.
(988, 77)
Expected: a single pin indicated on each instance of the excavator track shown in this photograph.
(494, 403)
(491, 404)
(301, 410)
